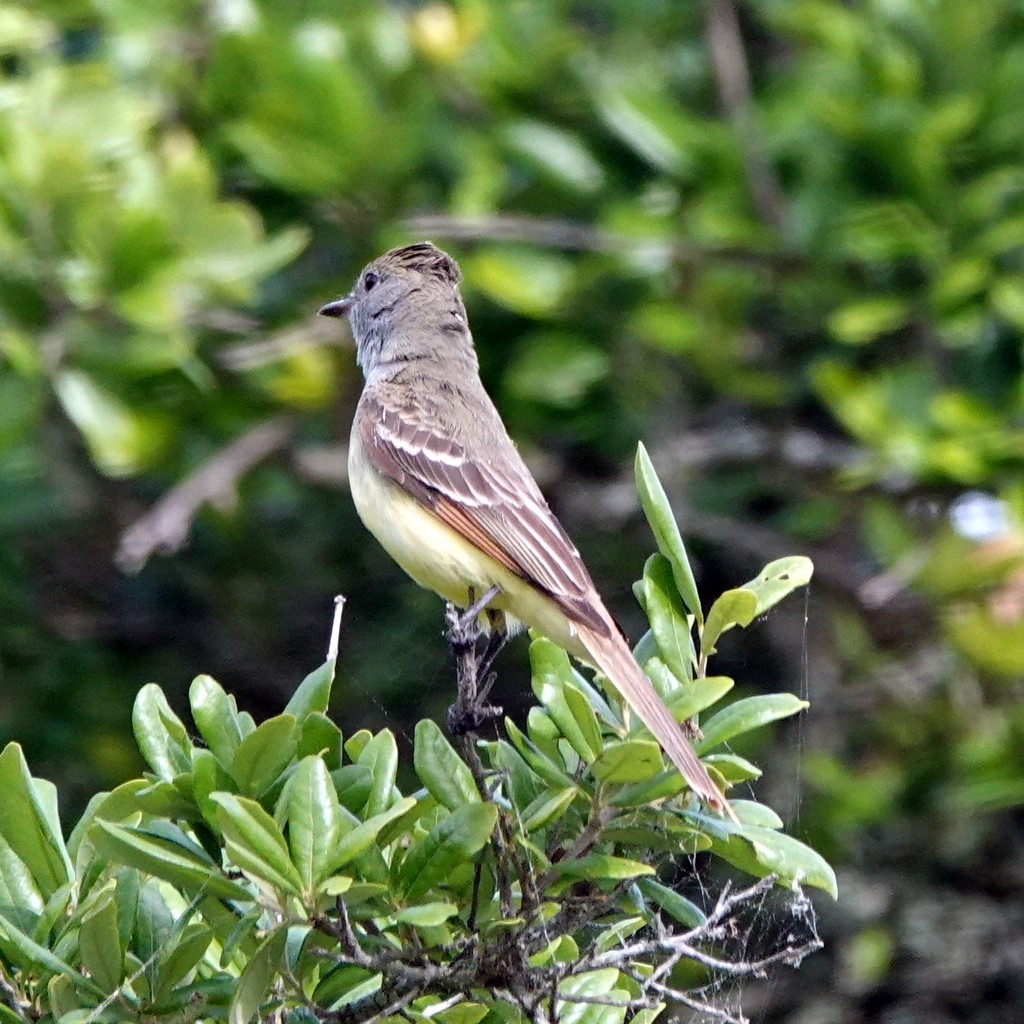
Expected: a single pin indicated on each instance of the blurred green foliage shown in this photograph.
(797, 268)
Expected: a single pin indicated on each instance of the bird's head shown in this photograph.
(404, 305)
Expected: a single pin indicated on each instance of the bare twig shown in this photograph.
(729, 61)
(332, 644)
(166, 526)
(553, 233)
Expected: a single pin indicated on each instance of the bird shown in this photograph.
(437, 480)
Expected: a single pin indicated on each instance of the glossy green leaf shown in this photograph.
(733, 768)
(446, 776)
(314, 821)
(538, 761)
(452, 842)
(182, 958)
(752, 813)
(352, 783)
(255, 843)
(762, 851)
(320, 736)
(313, 694)
(216, 717)
(30, 954)
(380, 756)
(426, 914)
(675, 905)
(733, 608)
(264, 754)
(18, 892)
(258, 978)
(688, 699)
(160, 734)
(628, 761)
(747, 714)
(550, 805)
(779, 578)
(668, 617)
(99, 944)
(568, 707)
(357, 836)
(27, 823)
(164, 859)
(666, 531)
(601, 865)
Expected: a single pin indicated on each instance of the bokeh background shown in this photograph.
(781, 241)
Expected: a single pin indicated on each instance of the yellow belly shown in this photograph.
(439, 559)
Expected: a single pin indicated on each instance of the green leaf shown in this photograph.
(666, 532)
(426, 915)
(446, 776)
(761, 851)
(537, 760)
(453, 841)
(859, 322)
(322, 737)
(121, 440)
(590, 985)
(629, 761)
(357, 836)
(733, 768)
(352, 784)
(568, 707)
(164, 859)
(160, 734)
(662, 786)
(27, 823)
(667, 615)
(779, 578)
(752, 813)
(313, 694)
(18, 892)
(601, 865)
(99, 944)
(685, 700)
(183, 957)
(676, 906)
(258, 977)
(216, 718)
(356, 743)
(749, 713)
(255, 843)
(380, 756)
(550, 805)
(26, 952)
(264, 754)
(207, 778)
(314, 821)
(733, 608)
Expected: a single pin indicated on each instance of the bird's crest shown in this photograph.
(425, 257)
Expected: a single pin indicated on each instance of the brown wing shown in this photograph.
(489, 498)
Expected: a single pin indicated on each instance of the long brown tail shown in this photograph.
(614, 659)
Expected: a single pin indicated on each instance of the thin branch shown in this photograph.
(729, 62)
(166, 526)
(553, 233)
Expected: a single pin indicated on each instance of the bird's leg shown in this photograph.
(468, 712)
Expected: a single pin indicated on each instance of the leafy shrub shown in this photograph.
(278, 866)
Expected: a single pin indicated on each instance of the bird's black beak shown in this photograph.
(339, 307)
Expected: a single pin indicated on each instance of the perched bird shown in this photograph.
(437, 480)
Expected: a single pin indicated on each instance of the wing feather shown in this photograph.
(492, 501)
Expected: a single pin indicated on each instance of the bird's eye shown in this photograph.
(369, 280)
